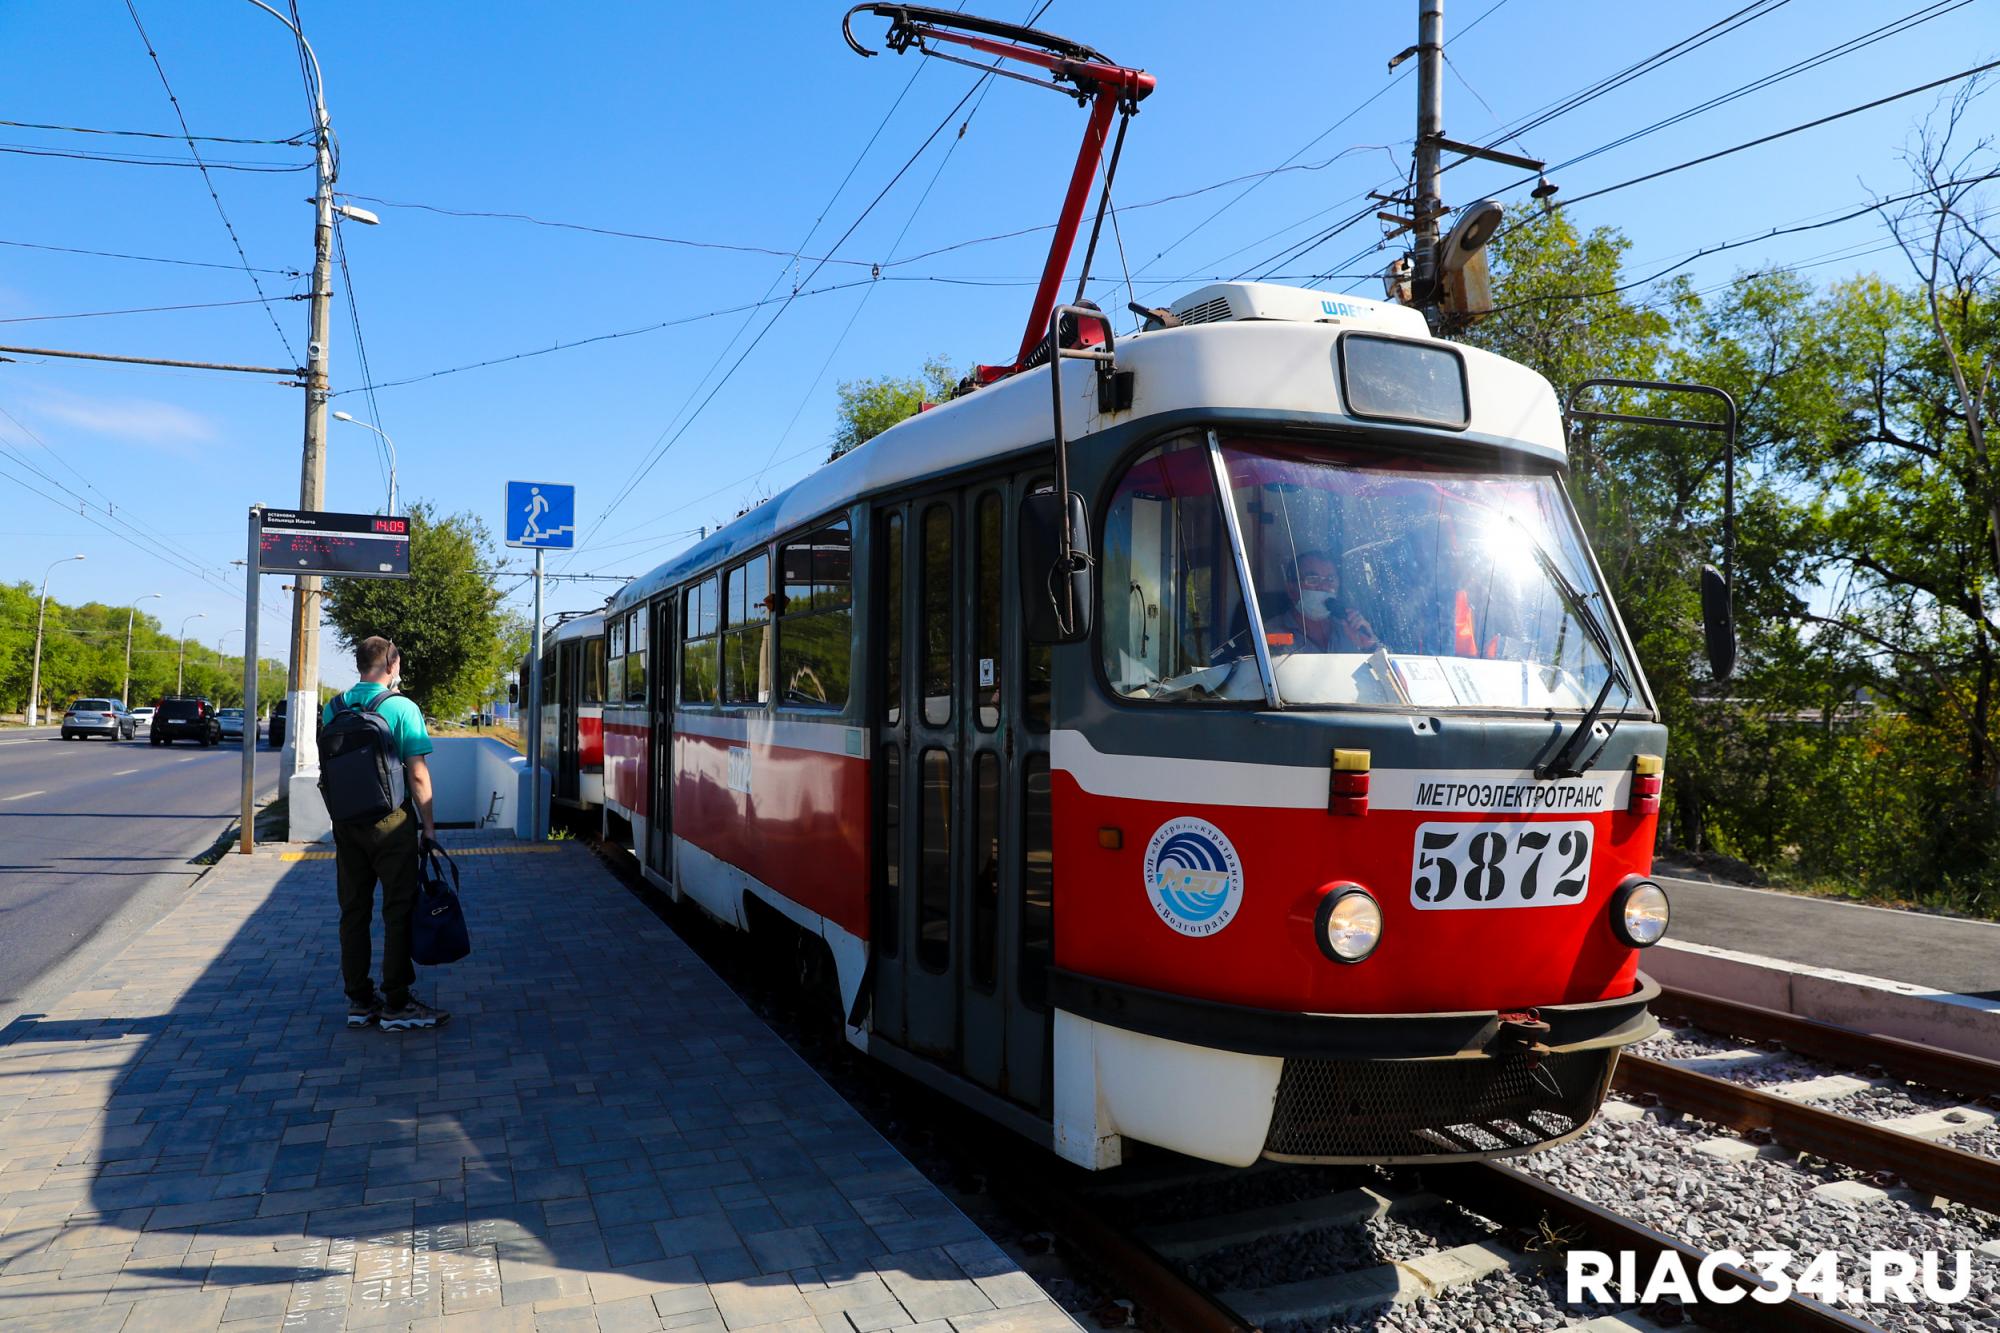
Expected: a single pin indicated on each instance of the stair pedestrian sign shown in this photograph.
(542, 514)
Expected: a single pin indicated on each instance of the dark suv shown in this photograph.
(278, 723)
(186, 719)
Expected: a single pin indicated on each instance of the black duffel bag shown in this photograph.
(437, 931)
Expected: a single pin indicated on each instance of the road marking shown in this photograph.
(24, 795)
(123, 771)
(189, 760)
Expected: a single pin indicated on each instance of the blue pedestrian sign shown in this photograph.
(541, 513)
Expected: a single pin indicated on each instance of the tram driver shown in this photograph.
(1318, 621)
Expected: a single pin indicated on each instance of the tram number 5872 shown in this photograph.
(1456, 866)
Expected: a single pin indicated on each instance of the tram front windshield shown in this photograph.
(1380, 581)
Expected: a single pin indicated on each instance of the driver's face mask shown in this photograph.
(1317, 602)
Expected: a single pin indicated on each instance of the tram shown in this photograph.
(572, 710)
(1219, 736)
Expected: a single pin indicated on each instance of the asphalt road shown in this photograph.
(1938, 951)
(96, 840)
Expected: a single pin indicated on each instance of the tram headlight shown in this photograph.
(1348, 924)
(1639, 912)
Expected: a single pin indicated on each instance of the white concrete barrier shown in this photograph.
(1966, 1023)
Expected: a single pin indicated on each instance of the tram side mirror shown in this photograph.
(1055, 602)
(1718, 622)
(513, 692)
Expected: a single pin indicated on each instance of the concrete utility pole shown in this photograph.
(131, 615)
(1430, 136)
(35, 675)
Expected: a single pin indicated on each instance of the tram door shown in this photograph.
(569, 698)
(662, 687)
(962, 752)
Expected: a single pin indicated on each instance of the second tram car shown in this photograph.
(1328, 841)
(572, 711)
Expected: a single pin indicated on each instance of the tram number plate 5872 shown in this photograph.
(1455, 866)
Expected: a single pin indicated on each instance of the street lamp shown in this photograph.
(357, 421)
(130, 616)
(180, 671)
(35, 674)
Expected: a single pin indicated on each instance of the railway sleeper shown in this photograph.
(1191, 1239)
(1396, 1283)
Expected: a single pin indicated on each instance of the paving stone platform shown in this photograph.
(604, 1137)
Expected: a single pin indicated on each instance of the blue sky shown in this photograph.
(735, 124)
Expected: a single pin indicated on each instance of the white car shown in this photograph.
(232, 723)
(142, 718)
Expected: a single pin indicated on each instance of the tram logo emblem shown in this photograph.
(1194, 879)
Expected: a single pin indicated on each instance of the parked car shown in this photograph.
(142, 718)
(97, 717)
(231, 720)
(277, 724)
(187, 719)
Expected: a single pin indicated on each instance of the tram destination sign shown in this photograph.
(311, 541)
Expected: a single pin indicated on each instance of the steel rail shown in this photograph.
(1170, 1301)
(1935, 1168)
(1514, 1197)
(1944, 1070)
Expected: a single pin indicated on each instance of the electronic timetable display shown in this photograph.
(369, 546)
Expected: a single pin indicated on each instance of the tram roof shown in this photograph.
(576, 627)
(1264, 371)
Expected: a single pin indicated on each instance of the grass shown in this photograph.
(506, 735)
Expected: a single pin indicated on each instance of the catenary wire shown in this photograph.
(159, 68)
(145, 259)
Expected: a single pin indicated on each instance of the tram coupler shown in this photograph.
(1524, 1031)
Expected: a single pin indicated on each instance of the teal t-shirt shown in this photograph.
(406, 720)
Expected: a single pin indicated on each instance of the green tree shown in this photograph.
(445, 617)
(869, 407)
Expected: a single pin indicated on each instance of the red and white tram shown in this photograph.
(1309, 818)
(572, 712)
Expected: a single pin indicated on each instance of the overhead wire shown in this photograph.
(293, 141)
(663, 447)
(145, 259)
(144, 310)
(361, 353)
(160, 68)
(205, 165)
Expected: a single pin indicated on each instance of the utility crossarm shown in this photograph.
(1090, 77)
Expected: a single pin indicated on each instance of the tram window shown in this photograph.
(1388, 581)
(892, 619)
(1404, 381)
(698, 643)
(1037, 663)
(815, 627)
(986, 870)
(936, 683)
(1174, 627)
(635, 657)
(746, 635)
(593, 670)
(934, 862)
(1038, 900)
(888, 908)
(987, 605)
(615, 641)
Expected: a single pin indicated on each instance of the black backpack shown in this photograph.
(360, 768)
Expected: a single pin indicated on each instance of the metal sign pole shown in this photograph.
(536, 831)
(253, 583)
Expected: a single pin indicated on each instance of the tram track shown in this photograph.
(1523, 1225)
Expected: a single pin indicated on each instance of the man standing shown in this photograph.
(387, 849)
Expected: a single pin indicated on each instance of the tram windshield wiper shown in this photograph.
(1563, 764)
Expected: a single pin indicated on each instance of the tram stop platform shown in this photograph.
(603, 1137)
(1916, 975)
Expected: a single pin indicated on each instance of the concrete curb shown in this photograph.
(1965, 1023)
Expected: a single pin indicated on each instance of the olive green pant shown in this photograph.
(364, 853)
